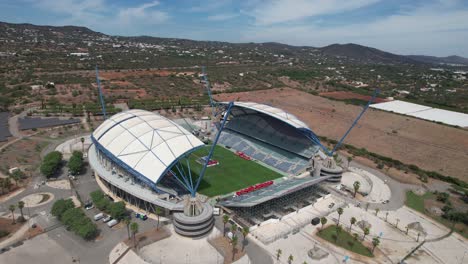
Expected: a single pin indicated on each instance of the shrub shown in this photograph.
(51, 163)
(75, 164)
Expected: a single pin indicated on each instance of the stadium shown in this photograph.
(260, 163)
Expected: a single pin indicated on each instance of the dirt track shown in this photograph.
(428, 145)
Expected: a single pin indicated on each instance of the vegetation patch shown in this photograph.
(45, 198)
(343, 239)
(102, 202)
(74, 219)
(51, 163)
(377, 158)
(450, 217)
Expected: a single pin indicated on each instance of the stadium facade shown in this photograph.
(139, 157)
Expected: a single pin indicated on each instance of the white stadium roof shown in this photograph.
(273, 111)
(145, 141)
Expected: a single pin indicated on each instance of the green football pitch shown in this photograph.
(231, 174)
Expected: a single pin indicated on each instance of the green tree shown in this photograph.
(51, 163)
(75, 164)
(12, 209)
(278, 253)
(117, 210)
(352, 221)
(134, 228)
(82, 144)
(377, 210)
(17, 175)
(323, 221)
(366, 232)
(127, 222)
(340, 212)
(356, 186)
(158, 212)
(338, 232)
(61, 206)
(234, 241)
(20, 207)
(355, 235)
(375, 243)
(349, 160)
(245, 233)
(225, 221)
(290, 259)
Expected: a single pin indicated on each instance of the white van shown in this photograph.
(216, 211)
(98, 217)
(112, 223)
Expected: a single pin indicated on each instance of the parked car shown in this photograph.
(216, 211)
(88, 205)
(112, 223)
(98, 217)
(141, 216)
(107, 218)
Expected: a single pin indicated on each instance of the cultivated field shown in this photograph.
(425, 144)
(233, 173)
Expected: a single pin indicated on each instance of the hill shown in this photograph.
(456, 60)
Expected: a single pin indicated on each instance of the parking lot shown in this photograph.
(62, 245)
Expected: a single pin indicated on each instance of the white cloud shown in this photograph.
(437, 28)
(143, 13)
(280, 11)
(102, 14)
(222, 17)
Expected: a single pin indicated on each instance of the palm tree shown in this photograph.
(353, 221)
(234, 241)
(134, 228)
(12, 209)
(225, 221)
(323, 221)
(82, 144)
(355, 235)
(278, 253)
(366, 232)
(2, 184)
(233, 229)
(20, 207)
(127, 222)
(290, 259)
(245, 233)
(375, 243)
(377, 210)
(157, 211)
(349, 160)
(338, 231)
(340, 212)
(356, 186)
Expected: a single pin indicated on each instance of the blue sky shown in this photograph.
(430, 27)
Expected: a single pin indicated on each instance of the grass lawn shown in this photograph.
(416, 202)
(233, 173)
(344, 240)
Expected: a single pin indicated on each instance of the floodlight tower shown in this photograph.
(328, 167)
(101, 97)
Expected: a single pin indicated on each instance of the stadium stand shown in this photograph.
(273, 156)
(269, 130)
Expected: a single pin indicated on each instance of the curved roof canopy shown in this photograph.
(274, 112)
(148, 143)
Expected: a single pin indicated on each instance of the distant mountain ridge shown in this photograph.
(351, 51)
